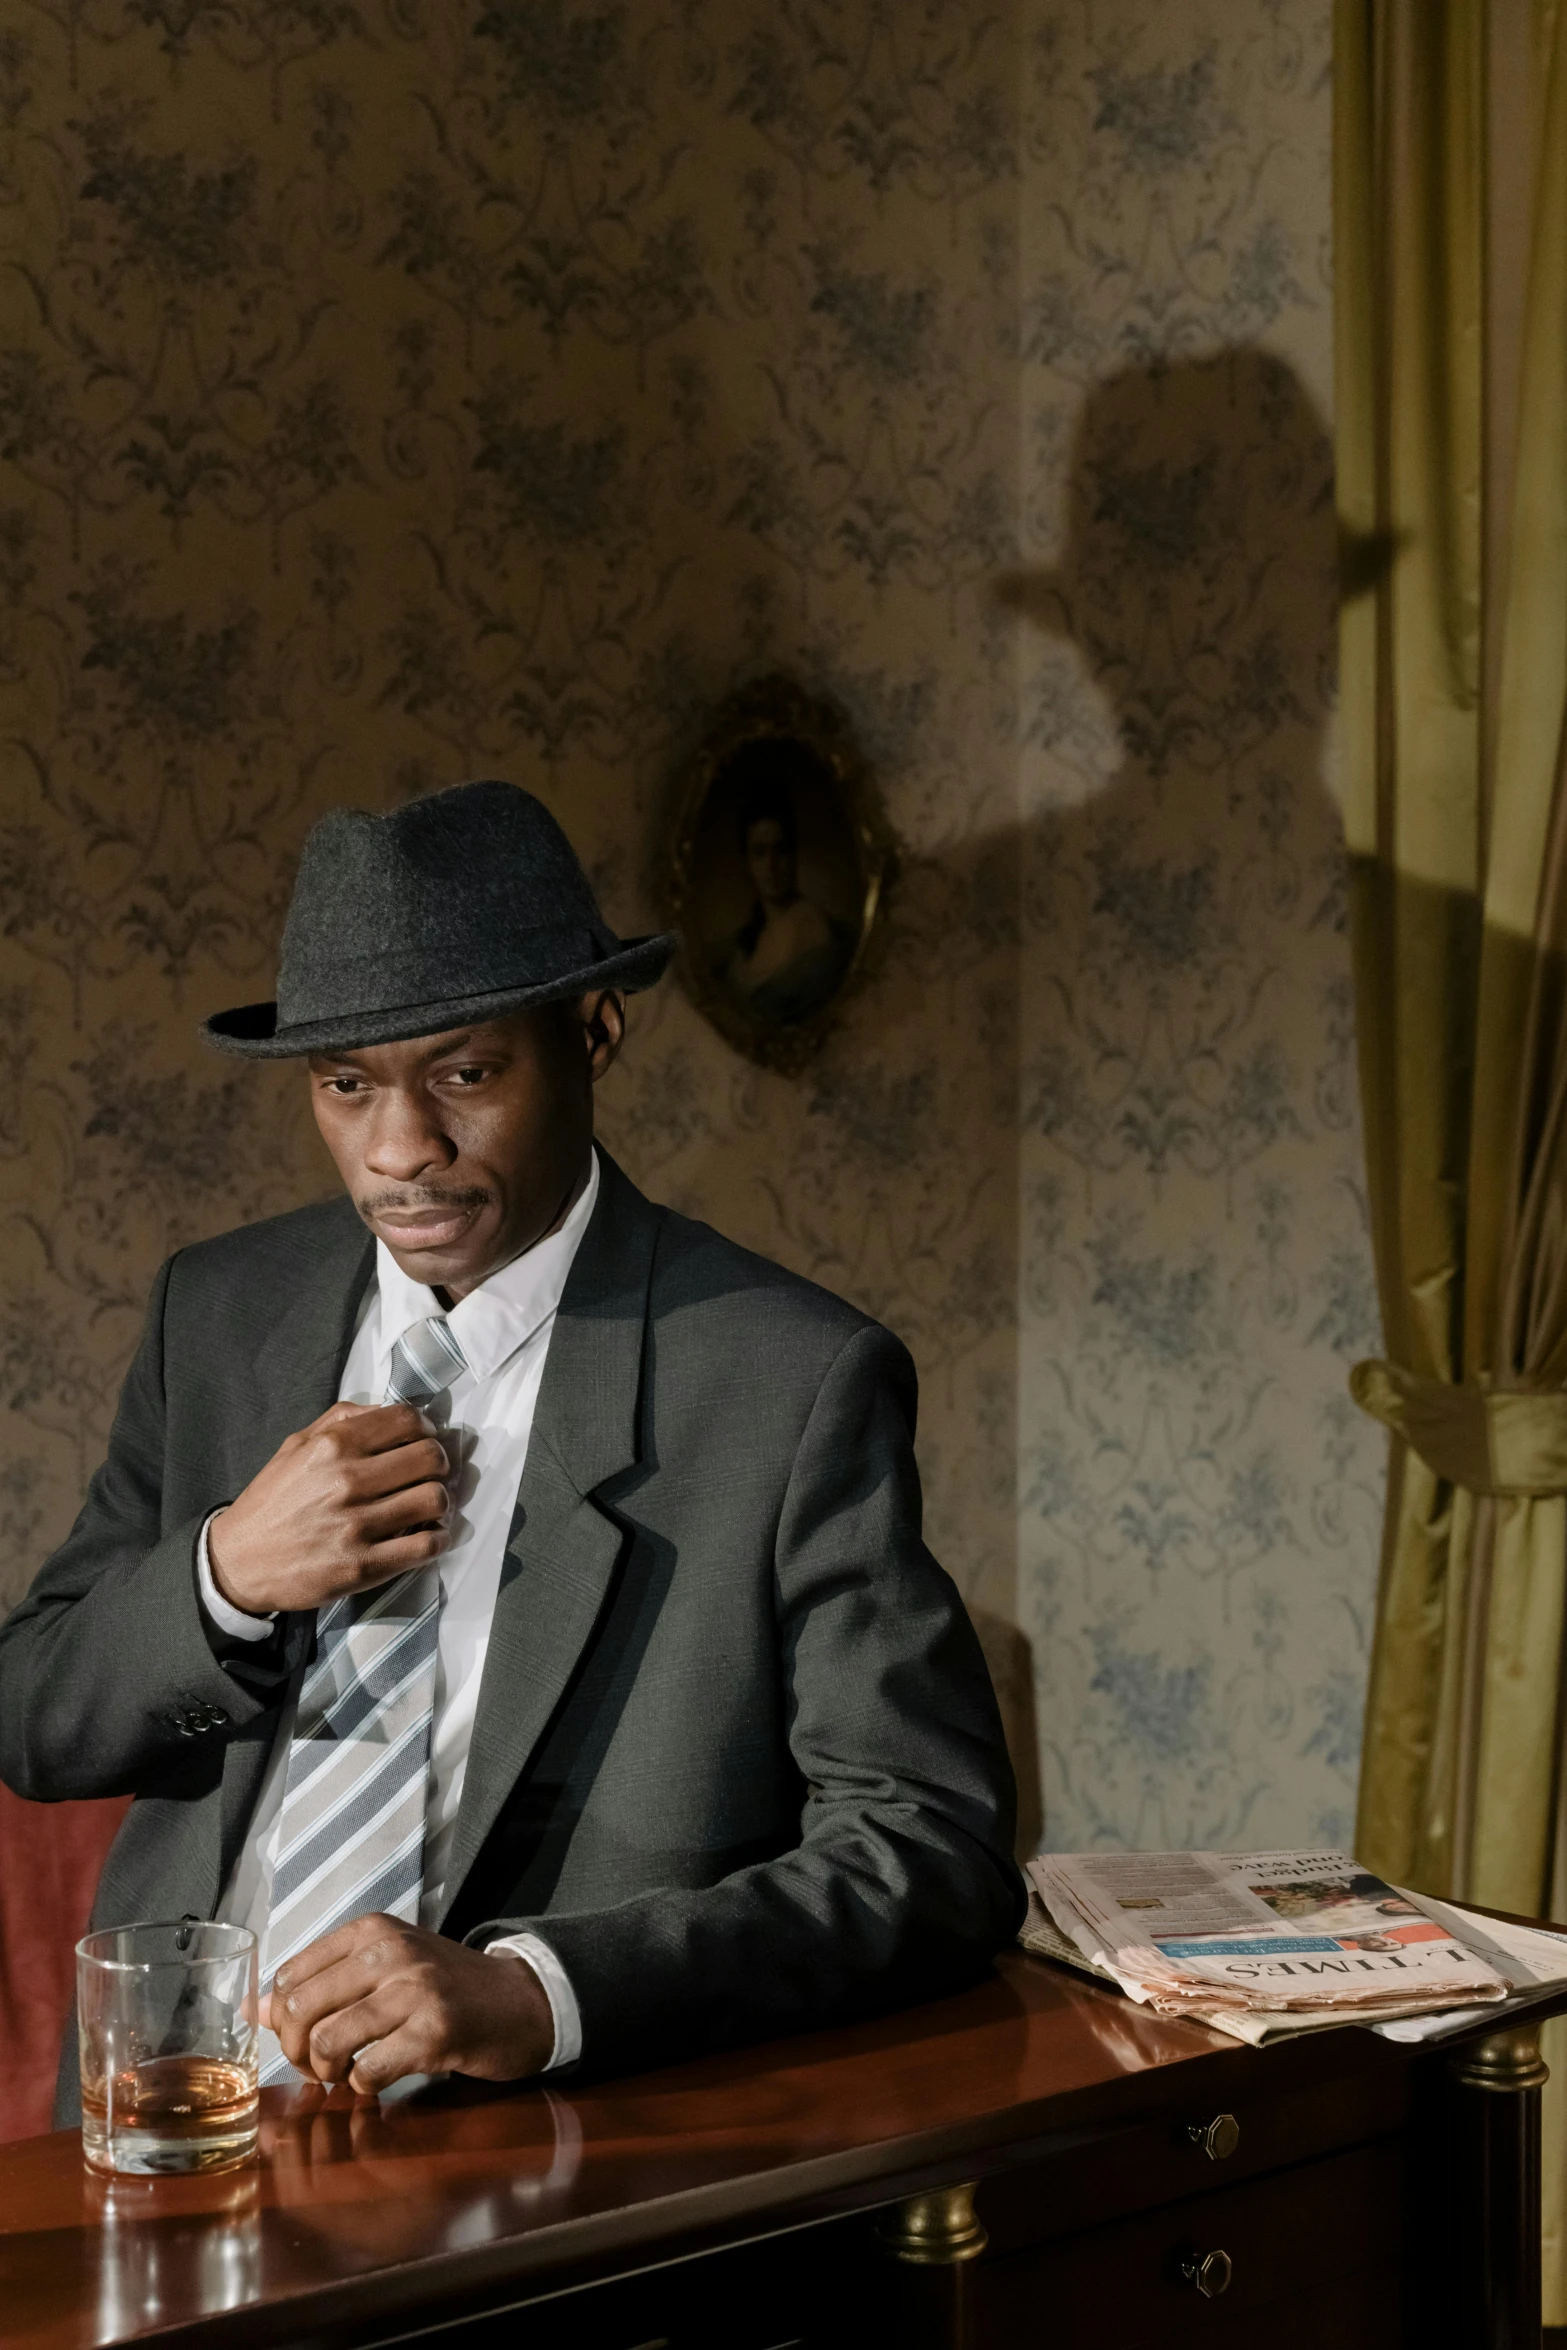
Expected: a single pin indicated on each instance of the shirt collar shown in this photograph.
(503, 1313)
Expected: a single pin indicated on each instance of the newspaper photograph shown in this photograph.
(1281, 1931)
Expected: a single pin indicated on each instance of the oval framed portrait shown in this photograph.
(780, 866)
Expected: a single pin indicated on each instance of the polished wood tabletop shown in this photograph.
(355, 2211)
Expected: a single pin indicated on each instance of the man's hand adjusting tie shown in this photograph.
(348, 1503)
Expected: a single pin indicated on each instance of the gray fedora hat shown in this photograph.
(454, 908)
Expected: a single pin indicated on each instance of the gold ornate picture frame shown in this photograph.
(778, 872)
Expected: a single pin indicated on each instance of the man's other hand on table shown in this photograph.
(379, 1999)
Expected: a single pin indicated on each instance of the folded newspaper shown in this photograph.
(1255, 1942)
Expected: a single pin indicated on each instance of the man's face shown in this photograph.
(461, 1150)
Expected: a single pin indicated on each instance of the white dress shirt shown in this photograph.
(504, 1329)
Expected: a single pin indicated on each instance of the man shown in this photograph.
(504, 1595)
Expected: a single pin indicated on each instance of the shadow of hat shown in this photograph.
(456, 908)
(1046, 595)
(1184, 474)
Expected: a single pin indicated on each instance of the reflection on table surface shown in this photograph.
(478, 2182)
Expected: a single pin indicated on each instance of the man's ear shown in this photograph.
(603, 1028)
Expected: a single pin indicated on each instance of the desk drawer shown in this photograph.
(1136, 2169)
(1326, 2239)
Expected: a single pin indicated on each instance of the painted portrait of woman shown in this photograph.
(779, 861)
(788, 957)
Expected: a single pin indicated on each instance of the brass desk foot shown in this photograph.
(934, 2230)
(1504, 2060)
(1496, 2088)
(930, 2239)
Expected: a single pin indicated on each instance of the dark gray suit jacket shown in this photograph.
(736, 1750)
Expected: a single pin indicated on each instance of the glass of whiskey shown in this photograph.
(170, 2047)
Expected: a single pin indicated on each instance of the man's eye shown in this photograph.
(468, 1076)
(342, 1084)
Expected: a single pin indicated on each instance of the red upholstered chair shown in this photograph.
(50, 1856)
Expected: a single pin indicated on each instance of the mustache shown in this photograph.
(422, 1195)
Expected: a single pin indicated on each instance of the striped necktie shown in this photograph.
(351, 1830)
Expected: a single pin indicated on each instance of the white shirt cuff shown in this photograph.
(557, 1990)
(224, 1613)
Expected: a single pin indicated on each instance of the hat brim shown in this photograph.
(252, 1031)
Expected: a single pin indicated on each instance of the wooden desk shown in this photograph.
(1018, 2164)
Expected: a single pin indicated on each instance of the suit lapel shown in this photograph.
(563, 1548)
(298, 1369)
(299, 1365)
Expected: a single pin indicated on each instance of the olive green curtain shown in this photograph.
(1454, 668)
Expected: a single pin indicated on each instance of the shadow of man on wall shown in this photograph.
(1188, 1098)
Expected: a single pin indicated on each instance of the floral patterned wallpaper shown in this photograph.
(399, 390)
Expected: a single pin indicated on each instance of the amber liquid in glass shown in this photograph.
(173, 2113)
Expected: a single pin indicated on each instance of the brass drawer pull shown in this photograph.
(1208, 2273)
(1218, 2138)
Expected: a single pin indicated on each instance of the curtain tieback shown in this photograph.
(1489, 1440)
